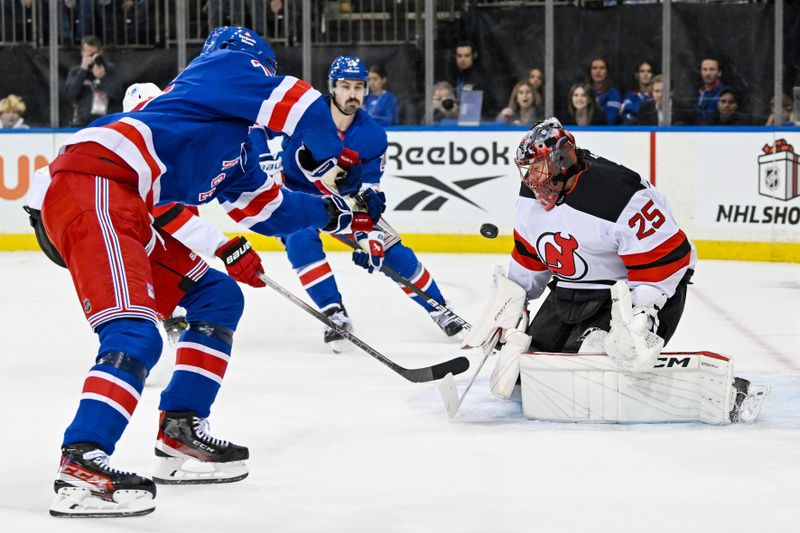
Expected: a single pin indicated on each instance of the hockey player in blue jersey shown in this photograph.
(186, 145)
(347, 84)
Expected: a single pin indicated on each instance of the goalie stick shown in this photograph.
(415, 375)
(448, 389)
(397, 278)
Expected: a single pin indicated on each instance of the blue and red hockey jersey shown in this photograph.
(364, 136)
(189, 144)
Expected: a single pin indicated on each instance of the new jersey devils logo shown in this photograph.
(559, 254)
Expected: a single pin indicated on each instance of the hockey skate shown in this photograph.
(337, 314)
(446, 322)
(748, 401)
(187, 454)
(87, 487)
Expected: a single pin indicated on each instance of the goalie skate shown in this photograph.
(186, 454)
(748, 401)
(87, 487)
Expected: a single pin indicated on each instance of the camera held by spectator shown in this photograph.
(98, 60)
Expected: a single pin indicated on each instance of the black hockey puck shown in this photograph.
(489, 230)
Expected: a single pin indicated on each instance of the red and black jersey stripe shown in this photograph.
(661, 262)
(526, 255)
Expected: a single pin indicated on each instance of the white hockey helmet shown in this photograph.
(138, 92)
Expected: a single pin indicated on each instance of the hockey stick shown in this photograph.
(397, 278)
(416, 375)
(448, 389)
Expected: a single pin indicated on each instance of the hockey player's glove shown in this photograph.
(371, 255)
(241, 261)
(330, 176)
(372, 202)
(632, 342)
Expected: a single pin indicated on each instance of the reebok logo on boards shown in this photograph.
(441, 192)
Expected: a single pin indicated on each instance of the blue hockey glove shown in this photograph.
(372, 202)
(341, 220)
(371, 255)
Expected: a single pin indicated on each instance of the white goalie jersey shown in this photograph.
(611, 226)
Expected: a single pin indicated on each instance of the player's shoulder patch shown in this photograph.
(604, 189)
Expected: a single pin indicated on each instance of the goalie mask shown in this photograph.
(545, 157)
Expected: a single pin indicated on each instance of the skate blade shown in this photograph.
(77, 502)
(752, 404)
(183, 471)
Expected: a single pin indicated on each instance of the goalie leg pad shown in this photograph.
(504, 309)
(506, 370)
(682, 387)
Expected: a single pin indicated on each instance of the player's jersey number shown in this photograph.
(651, 214)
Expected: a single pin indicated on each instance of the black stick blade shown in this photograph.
(437, 371)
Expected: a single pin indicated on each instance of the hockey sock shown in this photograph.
(305, 253)
(318, 281)
(200, 365)
(402, 260)
(213, 309)
(113, 387)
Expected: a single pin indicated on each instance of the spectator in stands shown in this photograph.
(638, 95)
(727, 113)
(651, 112)
(789, 116)
(583, 109)
(445, 103)
(12, 107)
(380, 104)
(607, 96)
(709, 92)
(465, 73)
(521, 110)
(91, 86)
(536, 79)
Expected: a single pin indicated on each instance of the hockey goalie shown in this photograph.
(604, 241)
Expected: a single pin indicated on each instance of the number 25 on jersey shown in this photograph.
(649, 214)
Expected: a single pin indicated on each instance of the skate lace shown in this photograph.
(100, 458)
(202, 428)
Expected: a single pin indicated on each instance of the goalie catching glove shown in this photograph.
(331, 176)
(632, 342)
(370, 257)
(241, 261)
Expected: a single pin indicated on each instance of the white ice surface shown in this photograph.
(341, 443)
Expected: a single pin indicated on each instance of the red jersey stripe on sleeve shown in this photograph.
(256, 204)
(277, 120)
(659, 273)
(659, 252)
